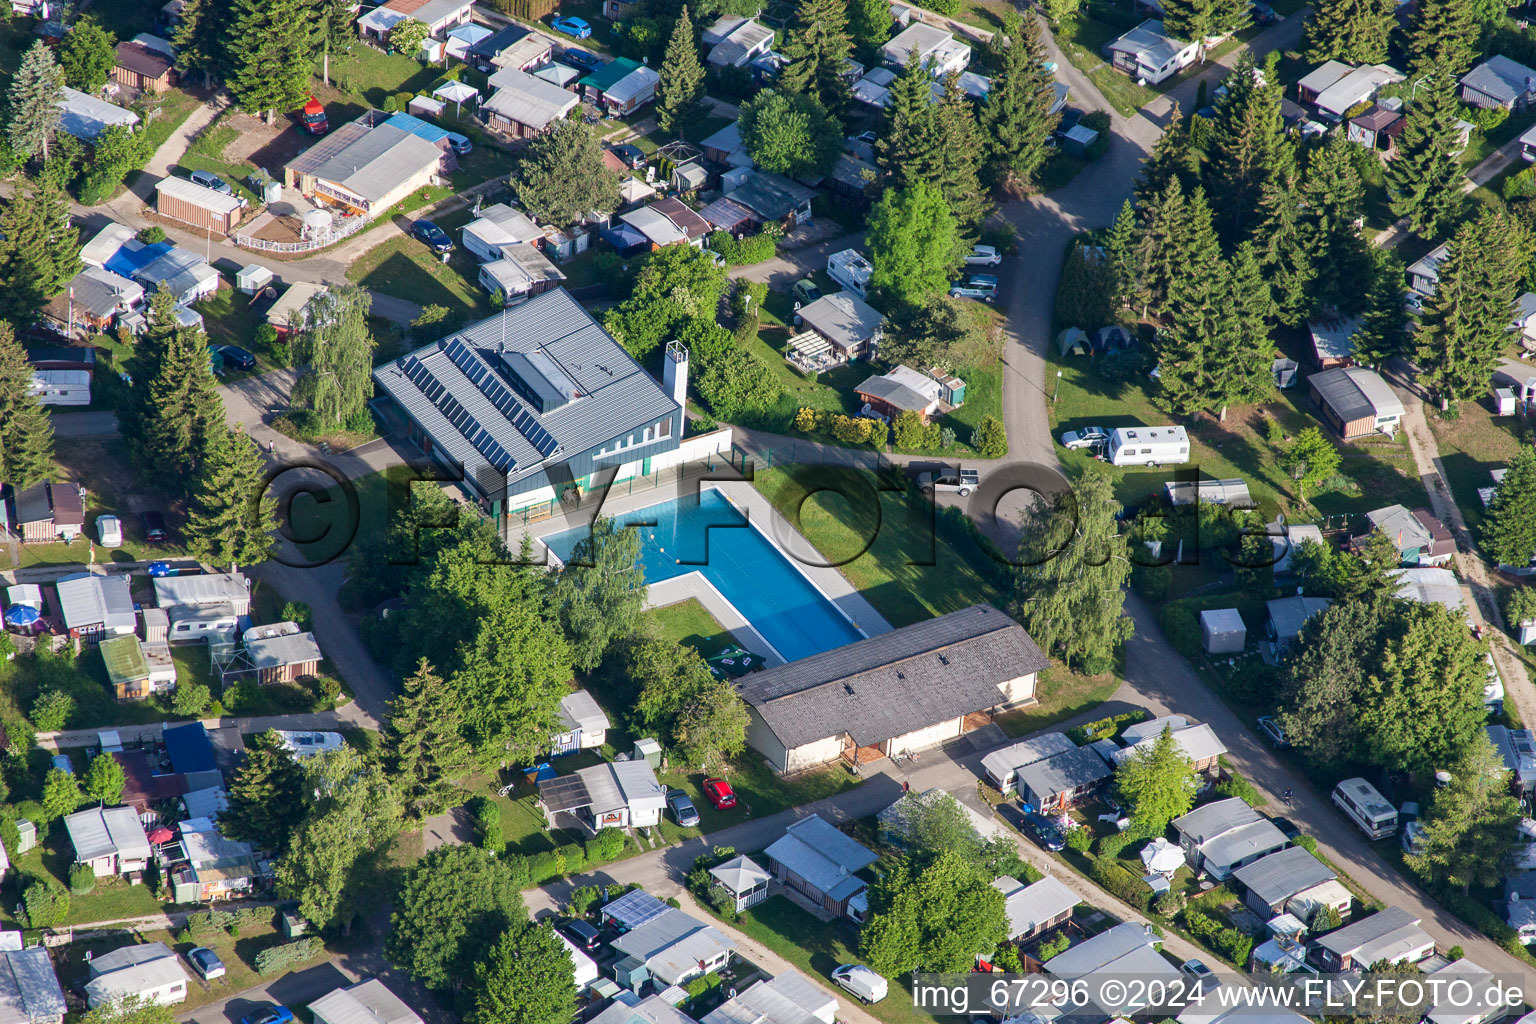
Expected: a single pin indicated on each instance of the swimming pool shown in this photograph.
(743, 565)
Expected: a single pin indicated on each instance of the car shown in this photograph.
(1088, 437)
(1287, 827)
(109, 531)
(154, 527)
(239, 358)
(274, 1014)
(805, 291)
(682, 808)
(633, 156)
(1043, 831)
(862, 981)
(868, 138)
(1264, 14)
(460, 144)
(577, 27)
(1203, 975)
(719, 793)
(961, 481)
(975, 286)
(206, 963)
(1413, 301)
(432, 236)
(313, 117)
(208, 179)
(983, 256)
(582, 935)
(1273, 731)
(582, 59)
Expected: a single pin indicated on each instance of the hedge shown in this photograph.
(1229, 942)
(1117, 880)
(1241, 788)
(279, 958)
(1106, 728)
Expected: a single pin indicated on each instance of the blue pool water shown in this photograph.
(747, 569)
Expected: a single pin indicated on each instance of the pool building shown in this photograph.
(534, 401)
(908, 690)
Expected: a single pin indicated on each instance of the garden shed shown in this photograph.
(1222, 631)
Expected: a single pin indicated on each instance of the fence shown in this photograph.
(349, 227)
(575, 501)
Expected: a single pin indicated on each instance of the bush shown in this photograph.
(1521, 185)
(989, 438)
(582, 898)
(1308, 843)
(571, 858)
(1486, 118)
(1117, 880)
(1106, 728)
(152, 235)
(1098, 120)
(1182, 630)
(1169, 903)
(45, 903)
(190, 700)
(1152, 581)
(542, 867)
(1079, 839)
(279, 958)
(1054, 946)
(856, 429)
(488, 826)
(1109, 847)
(758, 248)
(82, 879)
(606, 845)
(1229, 943)
(805, 420)
(1241, 788)
(296, 611)
(51, 710)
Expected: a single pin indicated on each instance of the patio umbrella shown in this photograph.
(161, 835)
(1161, 857)
(22, 615)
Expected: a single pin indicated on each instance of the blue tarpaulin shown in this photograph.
(625, 238)
(133, 257)
(538, 773)
(190, 748)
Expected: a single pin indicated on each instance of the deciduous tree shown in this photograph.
(1068, 590)
(562, 176)
(1158, 783)
(1471, 822)
(524, 979)
(453, 905)
(601, 591)
(869, 24)
(674, 286)
(424, 744)
(681, 700)
(104, 780)
(789, 133)
(87, 55)
(61, 794)
(233, 517)
(939, 918)
(334, 342)
(1310, 460)
(914, 244)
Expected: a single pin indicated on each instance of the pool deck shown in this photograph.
(759, 512)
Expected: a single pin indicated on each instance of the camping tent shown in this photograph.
(1113, 339)
(1073, 342)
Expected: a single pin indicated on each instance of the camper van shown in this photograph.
(1366, 807)
(1148, 446)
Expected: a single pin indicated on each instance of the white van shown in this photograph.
(1366, 807)
(1148, 446)
(862, 981)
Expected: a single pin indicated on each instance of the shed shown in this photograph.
(1503, 402)
(1499, 82)
(1356, 402)
(191, 203)
(1333, 341)
(283, 659)
(689, 177)
(94, 607)
(1222, 631)
(744, 879)
(143, 68)
(252, 278)
(85, 116)
(108, 839)
(367, 1002)
(847, 321)
(1288, 614)
(822, 864)
(1034, 910)
(1271, 881)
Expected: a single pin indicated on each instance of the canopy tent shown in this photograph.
(625, 238)
(457, 93)
(1073, 342)
(1160, 857)
(733, 661)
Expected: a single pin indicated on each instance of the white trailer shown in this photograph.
(1148, 446)
(851, 270)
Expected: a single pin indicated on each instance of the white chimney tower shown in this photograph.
(674, 373)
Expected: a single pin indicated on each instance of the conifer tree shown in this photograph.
(1353, 31)
(198, 40)
(33, 112)
(869, 24)
(1464, 326)
(955, 162)
(1120, 250)
(1196, 310)
(1443, 39)
(1197, 20)
(1424, 180)
(1240, 356)
(1384, 323)
(40, 251)
(266, 795)
(1017, 115)
(233, 516)
(1285, 254)
(1173, 156)
(26, 432)
(818, 47)
(1334, 197)
(907, 146)
(269, 55)
(1248, 149)
(1508, 535)
(1160, 248)
(424, 744)
(682, 79)
(181, 416)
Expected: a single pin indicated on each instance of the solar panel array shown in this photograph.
(484, 378)
(436, 393)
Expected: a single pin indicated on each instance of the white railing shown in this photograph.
(348, 227)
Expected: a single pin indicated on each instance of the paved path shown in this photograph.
(96, 423)
(791, 265)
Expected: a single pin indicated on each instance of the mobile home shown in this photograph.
(1148, 446)
(1366, 807)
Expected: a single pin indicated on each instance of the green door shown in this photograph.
(645, 466)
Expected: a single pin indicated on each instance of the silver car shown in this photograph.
(1088, 437)
(983, 256)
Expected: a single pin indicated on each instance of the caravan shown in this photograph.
(1148, 446)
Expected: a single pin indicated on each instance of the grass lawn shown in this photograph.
(1483, 144)
(1377, 471)
(373, 75)
(174, 109)
(689, 622)
(816, 948)
(1062, 694)
(112, 899)
(890, 548)
(403, 267)
(1470, 446)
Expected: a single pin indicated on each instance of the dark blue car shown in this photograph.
(588, 62)
(432, 236)
(1043, 831)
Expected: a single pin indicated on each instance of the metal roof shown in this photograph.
(460, 390)
(502, 225)
(368, 1002)
(201, 588)
(528, 100)
(894, 683)
(1429, 585)
(1062, 773)
(179, 270)
(1278, 877)
(1322, 76)
(656, 227)
(1103, 950)
(1358, 85)
(725, 214)
(1289, 614)
(579, 711)
(1198, 742)
(29, 988)
(101, 832)
(903, 387)
(610, 74)
(128, 956)
(279, 651)
(771, 196)
(681, 214)
(144, 979)
(142, 60)
(816, 851)
(1208, 821)
(1256, 837)
(673, 944)
(221, 203)
(918, 38)
(376, 163)
(86, 116)
(786, 998)
(740, 873)
(85, 600)
(1386, 926)
(1003, 763)
(842, 318)
(1030, 906)
(1500, 78)
(1353, 392)
(1232, 492)
(209, 802)
(632, 85)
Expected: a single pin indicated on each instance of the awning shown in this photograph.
(810, 344)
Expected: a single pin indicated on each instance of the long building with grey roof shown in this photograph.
(910, 689)
(531, 402)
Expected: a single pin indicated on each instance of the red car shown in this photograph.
(719, 793)
(314, 118)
